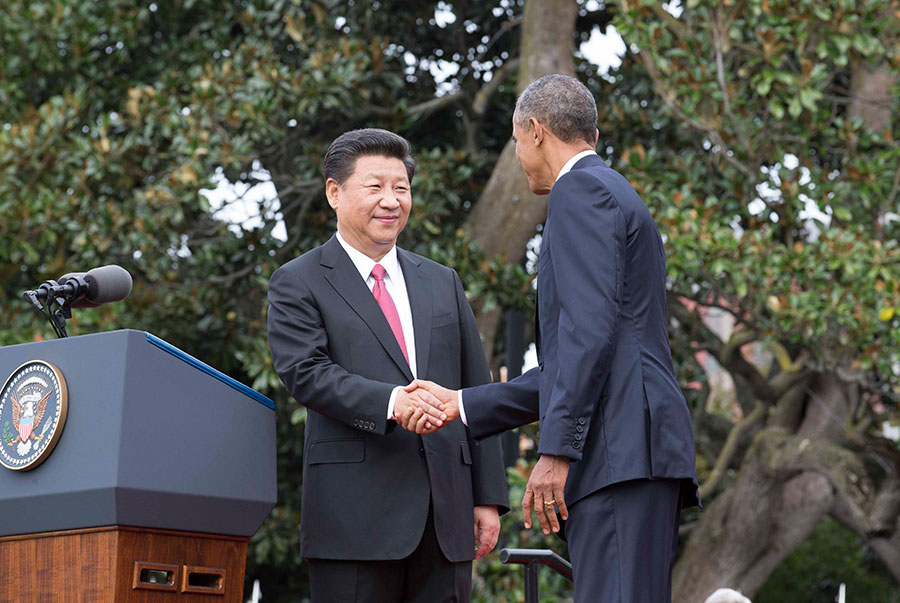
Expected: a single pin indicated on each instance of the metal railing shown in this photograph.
(532, 560)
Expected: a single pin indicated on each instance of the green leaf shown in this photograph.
(822, 12)
(809, 97)
(776, 109)
(842, 213)
(298, 415)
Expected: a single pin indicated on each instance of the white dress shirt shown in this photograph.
(571, 163)
(567, 166)
(396, 287)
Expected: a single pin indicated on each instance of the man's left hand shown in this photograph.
(487, 529)
(546, 488)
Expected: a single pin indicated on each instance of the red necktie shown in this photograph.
(386, 302)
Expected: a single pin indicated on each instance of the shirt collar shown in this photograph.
(364, 263)
(571, 163)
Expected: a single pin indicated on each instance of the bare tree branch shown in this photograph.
(886, 508)
(892, 196)
(730, 448)
(483, 97)
(227, 278)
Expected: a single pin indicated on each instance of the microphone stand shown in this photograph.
(56, 309)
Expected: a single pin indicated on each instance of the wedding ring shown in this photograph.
(550, 503)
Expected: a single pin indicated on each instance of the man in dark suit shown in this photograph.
(616, 446)
(387, 515)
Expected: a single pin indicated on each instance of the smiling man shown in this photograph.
(387, 515)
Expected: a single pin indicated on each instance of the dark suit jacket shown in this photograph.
(367, 482)
(604, 391)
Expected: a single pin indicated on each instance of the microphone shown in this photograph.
(89, 289)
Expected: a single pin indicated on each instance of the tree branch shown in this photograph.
(886, 508)
(892, 196)
(677, 27)
(484, 95)
(435, 104)
(732, 359)
(227, 278)
(422, 108)
(668, 98)
(730, 448)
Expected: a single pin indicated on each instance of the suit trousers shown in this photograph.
(426, 576)
(622, 541)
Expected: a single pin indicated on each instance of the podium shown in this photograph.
(163, 471)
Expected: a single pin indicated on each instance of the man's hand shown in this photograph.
(487, 529)
(545, 488)
(418, 411)
(448, 398)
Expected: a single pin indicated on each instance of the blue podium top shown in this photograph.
(198, 364)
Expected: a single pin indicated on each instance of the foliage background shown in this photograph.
(728, 119)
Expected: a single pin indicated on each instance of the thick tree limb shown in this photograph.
(883, 519)
(889, 551)
(730, 448)
(732, 359)
(788, 412)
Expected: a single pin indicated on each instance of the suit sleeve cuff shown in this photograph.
(390, 413)
(462, 409)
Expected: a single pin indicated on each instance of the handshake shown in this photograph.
(424, 406)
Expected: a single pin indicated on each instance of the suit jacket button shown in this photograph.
(356, 422)
(581, 421)
(578, 436)
(579, 428)
(576, 444)
(422, 452)
(371, 424)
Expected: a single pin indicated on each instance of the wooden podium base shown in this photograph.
(119, 564)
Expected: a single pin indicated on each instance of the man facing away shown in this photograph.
(387, 515)
(616, 446)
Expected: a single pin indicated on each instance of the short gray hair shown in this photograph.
(561, 103)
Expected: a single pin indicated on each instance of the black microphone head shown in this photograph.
(106, 284)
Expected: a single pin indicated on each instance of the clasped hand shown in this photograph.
(424, 407)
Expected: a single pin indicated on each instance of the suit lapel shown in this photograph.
(345, 278)
(418, 287)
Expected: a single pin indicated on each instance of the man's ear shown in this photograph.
(536, 131)
(596, 137)
(331, 191)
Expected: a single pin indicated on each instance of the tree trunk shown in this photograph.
(871, 97)
(507, 213)
(788, 482)
(748, 530)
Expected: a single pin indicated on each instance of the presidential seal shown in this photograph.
(33, 406)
